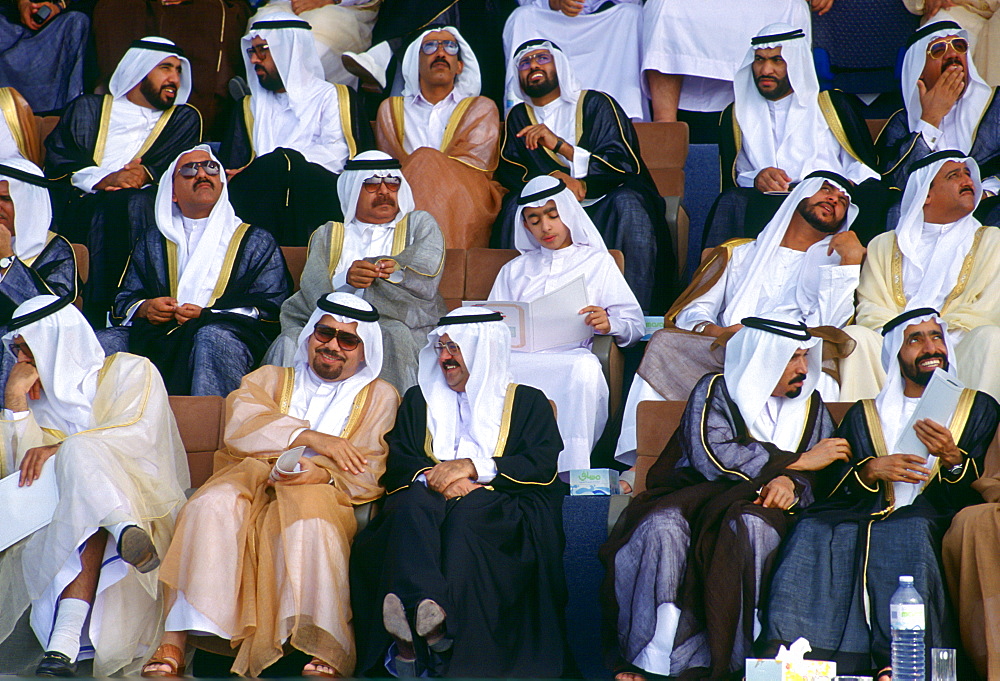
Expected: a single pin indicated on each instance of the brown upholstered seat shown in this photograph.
(200, 421)
(664, 148)
(82, 269)
(452, 283)
(295, 261)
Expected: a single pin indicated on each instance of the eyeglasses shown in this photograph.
(937, 48)
(15, 348)
(542, 58)
(346, 340)
(372, 184)
(450, 346)
(260, 50)
(191, 169)
(431, 46)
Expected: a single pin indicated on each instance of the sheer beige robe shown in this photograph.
(454, 183)
(972, 307)
(269, 564)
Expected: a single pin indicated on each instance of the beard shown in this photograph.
(327, 372)
(810, 213)
(913, 372)
(542, 87)
(795, 391)
(157, 98)
(269, 80)
(781, 88)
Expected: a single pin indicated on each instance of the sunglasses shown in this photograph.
(450, 346)
(541, 59)
(937, 48)
(346, 340)
(191, 169)
(260, 50)
(372, 184)
(431, 46)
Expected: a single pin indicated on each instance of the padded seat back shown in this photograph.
(200, 421)
(295, 261)
(452, 283)
(664, 148)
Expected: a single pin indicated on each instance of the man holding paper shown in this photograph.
(259, 558)
(563, 253)
(384, 251)
(690, 557)
(461, 574)
(103, 428)
(912, 465)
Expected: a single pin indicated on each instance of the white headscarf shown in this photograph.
(140, 59)
(890, 400)
(569, 87)
(200, 261)
(581, 227)
(327, 404)
(32, 208)
(291, 44)
(755, 361)
(744, 302)
(959, 125)
(486, 351)
(808, 143)
(355, 173)
(467, 84)
(68, 358)
(933, 272)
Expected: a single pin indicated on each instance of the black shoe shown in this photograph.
(136, 548)
(55, 664)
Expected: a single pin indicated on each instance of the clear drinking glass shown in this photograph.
(943, 664)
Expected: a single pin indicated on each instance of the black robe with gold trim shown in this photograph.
(281, 191)
(253, 276)
(109, 223)
(840, 566)
(630, 214)
(491, 559)
(742, 212)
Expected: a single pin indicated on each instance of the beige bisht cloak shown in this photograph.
(973, 306)
(971, 553)
(454, 183)
(408, 304)
(260, 592)
(133, 455)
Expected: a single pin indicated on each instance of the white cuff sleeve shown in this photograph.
(295, 434)
(422, 478)
(991, 184)
(131, 313)
(251, 312)
(486, 469)
(85, 178)
(580, 164)
(15, 415)
(930, 133)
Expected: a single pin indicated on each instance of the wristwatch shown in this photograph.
(6, 262)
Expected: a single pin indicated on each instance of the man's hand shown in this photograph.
(779, 493)
(823, 454)
(772, 180)
(186, 312)
(132, 176)
(168, 3)
(597, 317)
(27, 9)
(22, 385)
(931, 7)
(539, 135)
(938, 441)
(6, 243)
(31, 464)
(821, 7)
(848, 247)
(578, 187)
(362, 273)
(895, 468)
(157, 310)
(311, 474)
(936, 102)
(385, 267)
(233, 172)
(460, 488)
(345, 455)
(300, 6)
(442, 475)
(570, 8)
(714, 330)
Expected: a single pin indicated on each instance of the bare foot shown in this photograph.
(319, 668)
(629, 676)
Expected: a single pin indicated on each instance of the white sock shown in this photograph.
(116, 530)
(66, 632)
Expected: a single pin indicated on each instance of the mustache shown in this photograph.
(439, 60)
(383, 199)
(798, 378)
(450, 364)
(949, 61)
(331, 353)
(203, 180)
(966, 189)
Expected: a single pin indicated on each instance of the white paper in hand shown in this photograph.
(27, 509)
(288, 463)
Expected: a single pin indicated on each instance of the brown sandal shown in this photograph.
(169, 655)
(316, 662)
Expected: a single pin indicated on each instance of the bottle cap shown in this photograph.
(905, 579)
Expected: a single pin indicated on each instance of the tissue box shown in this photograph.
(593, 482)
(802, 670)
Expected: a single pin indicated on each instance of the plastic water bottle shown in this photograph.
(906, 616)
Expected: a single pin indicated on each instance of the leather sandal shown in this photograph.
(136, 548)
(168, 655)
(884, 674)
(55, 664)
(316, 662)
